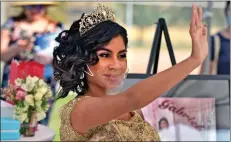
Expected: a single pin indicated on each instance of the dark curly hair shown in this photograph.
(75, 51)
(227, 6)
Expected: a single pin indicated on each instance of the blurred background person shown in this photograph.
(30, 36)
(220, 47)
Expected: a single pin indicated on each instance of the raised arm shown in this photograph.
(6, 52)
(95, 111)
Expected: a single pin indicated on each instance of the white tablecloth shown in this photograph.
(43, 133)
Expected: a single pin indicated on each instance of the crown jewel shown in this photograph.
(98, 15)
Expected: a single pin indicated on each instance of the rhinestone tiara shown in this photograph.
(98, 15)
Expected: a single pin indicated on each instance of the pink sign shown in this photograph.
(196, 114)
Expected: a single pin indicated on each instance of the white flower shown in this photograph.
(42, 83)
(42, 90)
(20, 110)
(27, 87)
(35, 79)
(18, 82)
(26, 104)
(49, 94)
(21, 117)
(29, 99)
(38, 96)
(30, 79)
(38, 105)
(40, 115)
(30, 83)
(71, 93)
(26, 107)
(46, 107)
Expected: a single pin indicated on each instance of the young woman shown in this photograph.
(91, 60)
(220, 48)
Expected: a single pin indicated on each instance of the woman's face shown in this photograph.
(112, 65)
(35, 12)
(163, 124)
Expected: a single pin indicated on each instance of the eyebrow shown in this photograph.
(108, 50)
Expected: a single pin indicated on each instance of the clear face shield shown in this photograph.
(116, 83)
(111, 80)
(228, 17)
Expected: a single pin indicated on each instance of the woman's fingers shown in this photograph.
(204, 31)
(199, 17)
(197, 21)
(193, 19)
(200, 14)
(193, 15)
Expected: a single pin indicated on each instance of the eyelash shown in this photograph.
(105, 55)
(123, 56)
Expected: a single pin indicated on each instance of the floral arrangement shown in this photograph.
(30, 96)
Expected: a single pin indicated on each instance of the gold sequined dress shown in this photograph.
(136, 129)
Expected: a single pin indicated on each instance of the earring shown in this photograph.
(82, 76)
(127, 70)
(91, 74)
(82, 83)
(126, 73)
(79, 88)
